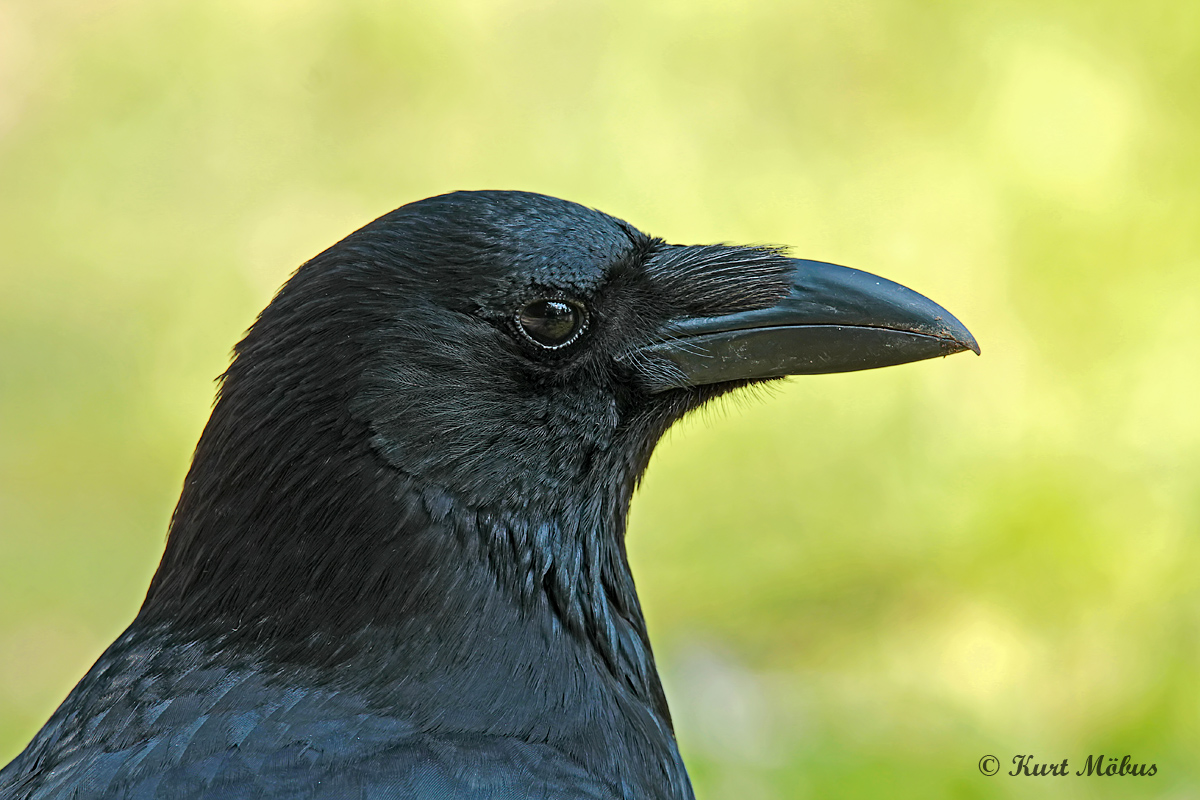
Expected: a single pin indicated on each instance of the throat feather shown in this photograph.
(577, 562)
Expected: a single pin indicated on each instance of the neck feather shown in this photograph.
(292, 555)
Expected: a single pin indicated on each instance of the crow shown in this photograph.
(397, 568)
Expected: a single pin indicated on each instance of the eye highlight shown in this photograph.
(551, 323)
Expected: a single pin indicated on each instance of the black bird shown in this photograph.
(397, 568)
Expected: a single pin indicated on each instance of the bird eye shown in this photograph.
(552, 323)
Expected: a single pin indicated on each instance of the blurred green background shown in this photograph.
(858, 585)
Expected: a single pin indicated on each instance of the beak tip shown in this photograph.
(968, 343)
(957, 333)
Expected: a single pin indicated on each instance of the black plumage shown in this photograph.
(397, 568)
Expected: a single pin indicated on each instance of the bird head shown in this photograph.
(515, 349)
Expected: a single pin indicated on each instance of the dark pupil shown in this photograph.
(549, 322)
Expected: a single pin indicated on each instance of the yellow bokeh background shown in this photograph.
(857, 585)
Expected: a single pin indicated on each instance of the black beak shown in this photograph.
(835, 319)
